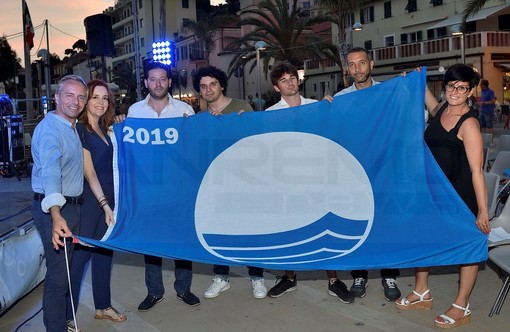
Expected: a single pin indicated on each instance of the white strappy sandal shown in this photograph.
(449, 323)
(421, 304)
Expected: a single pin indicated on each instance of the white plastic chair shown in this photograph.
(492, 183)
(501, 257)
(503, 144)
(485, 159)
(487, 140)
(503, 221)
(501, 163)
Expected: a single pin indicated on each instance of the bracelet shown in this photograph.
(103, 201)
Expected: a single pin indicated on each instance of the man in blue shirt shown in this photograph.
(259, 102)
(487, 105)
(57, 182)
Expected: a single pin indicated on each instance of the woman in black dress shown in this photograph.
(454, 139)
(98, 194)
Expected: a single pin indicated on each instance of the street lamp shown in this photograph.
(259, 46)
(346, 45)
(457, 30)
(301, 75)
(355, 27)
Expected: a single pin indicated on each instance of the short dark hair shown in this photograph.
(359, 49)
(280, 69)
(150, 65)
(462, 73)
(210, 71)
(484, 82)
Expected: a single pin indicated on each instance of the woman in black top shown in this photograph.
(98, 193)
(454, 139)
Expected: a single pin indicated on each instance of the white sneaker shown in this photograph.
(259, 289)
(219, 285)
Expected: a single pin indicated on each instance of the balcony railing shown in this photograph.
(434, 48)
(442, 45)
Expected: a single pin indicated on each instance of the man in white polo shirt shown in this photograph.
(159, 104)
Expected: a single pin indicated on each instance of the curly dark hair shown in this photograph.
(211, 72)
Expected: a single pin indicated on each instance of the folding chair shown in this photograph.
(501, 257)
(492, 183)
(503, 144)
(487, 140)
(503, 221)
(485, 159)
(501, 163)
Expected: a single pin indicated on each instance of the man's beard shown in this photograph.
(155, 94)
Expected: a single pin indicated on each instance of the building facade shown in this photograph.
(404, 34)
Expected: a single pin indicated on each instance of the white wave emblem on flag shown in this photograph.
(284, 197)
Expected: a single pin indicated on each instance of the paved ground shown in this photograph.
(308, 309)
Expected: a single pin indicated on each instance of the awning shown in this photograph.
(505, 66)
(481, 15)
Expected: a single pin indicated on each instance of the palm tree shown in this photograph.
(474, 6)
(287, 34)
(203, 31)
(80, 45)
(339, 13)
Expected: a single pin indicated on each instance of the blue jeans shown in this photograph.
(154, 276)
(223, 270)
(55, 283)
(486, 120)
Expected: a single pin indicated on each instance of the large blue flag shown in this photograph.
(342, 185)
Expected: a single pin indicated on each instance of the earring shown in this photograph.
(470, 102)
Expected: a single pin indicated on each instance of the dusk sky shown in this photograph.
(66, 17)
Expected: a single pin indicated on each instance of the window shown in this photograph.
(403, 38)
(368, 45)
(177, 58)
(185, 21)
(184, 52)
(387, 9)
(306, 5)
(411, 37)
(412, 6)
(367, 15)
(436, 2)
(389, 40)
(504, 22)
(141, 24)
(142, 42)
(140, 3)
(437, 33)
(185, 3)
(350, 20)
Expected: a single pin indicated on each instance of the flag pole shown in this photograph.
(28, 68)
(47, 70)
